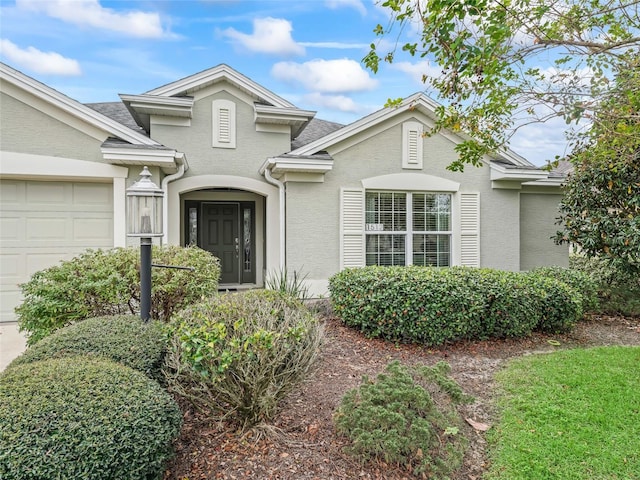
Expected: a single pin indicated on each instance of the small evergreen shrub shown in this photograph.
(406, 417)
(107, 282)
(618, 290)
(434, 306)
(78, 417)
(122, 338)
(240, 354)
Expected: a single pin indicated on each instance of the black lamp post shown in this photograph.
(144, 220)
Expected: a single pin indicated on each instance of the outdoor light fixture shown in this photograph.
(144, 220)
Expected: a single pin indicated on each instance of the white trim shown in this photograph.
(216, 74)
(14, 164)
(199, 182)
(71, 107)
(417, 102)
(140, 156)
(410, 182)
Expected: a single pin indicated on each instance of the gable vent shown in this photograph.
(224, 124)
(412, 145)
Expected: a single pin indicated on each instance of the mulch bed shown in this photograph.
(304, 444)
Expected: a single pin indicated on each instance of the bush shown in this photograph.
(107, 282)
(618, 291)
(434, 306)
(242, 353)
(124, 339)
(581, 282)
(406, 417)
(78, 417)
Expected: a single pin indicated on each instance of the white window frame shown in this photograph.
(409, 231)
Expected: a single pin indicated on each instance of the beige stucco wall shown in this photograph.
(27, 130)
(313, 209)
(538, 213)
(252, 147)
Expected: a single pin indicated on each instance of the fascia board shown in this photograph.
(172, 106)
(498, 172)
(206, 77)
(71, 106)
(270, 114)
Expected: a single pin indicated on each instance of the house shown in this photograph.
(262, 184)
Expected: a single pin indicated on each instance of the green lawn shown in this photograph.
(573, 414)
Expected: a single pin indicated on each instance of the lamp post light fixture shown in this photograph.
(144, 220)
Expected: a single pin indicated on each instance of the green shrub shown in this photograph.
(124, 339)
(406, 417)
(242, 353)
(433, 306)
(618, 290)
(107, 282)
(78, 417)
(581, 282)
(288, 283)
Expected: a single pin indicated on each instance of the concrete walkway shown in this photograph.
(12, 343)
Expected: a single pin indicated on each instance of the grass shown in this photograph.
(572, 414)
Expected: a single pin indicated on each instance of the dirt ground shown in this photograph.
(308, 447)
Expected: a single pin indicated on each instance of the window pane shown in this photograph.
(431, 212)
(431, 250)
(386, 210)
(385, 250)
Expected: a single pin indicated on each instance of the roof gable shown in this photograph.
(58, 100)
(416, 102)
(188, 85)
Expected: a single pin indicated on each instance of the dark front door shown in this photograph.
(221, 237)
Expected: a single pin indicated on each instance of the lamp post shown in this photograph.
(144, 220)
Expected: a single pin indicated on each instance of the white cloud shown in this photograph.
(357, 4)
(270, 35)
(326, 76)
(340, 103)
(335, 45)
(48, 63)
(90, 13)
(417, 70)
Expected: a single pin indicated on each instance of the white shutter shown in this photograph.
(470, 229)
(351, 227)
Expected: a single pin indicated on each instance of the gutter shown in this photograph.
(265, 170)
(183, 166)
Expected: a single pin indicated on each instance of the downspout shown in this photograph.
(183, 166)
(266, 171)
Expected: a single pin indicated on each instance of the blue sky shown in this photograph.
(307, 51)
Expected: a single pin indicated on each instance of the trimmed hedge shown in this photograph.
(433, 306)
(581, 282)
(78, 417)
(107, 282)
(123, 338)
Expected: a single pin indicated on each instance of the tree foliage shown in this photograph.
(600, 210)
(502, 64)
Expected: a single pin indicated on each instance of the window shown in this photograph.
(404, 228)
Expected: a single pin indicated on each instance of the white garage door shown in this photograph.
(42, 223)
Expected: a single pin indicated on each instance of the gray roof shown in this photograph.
(117, 111)
(314, 130)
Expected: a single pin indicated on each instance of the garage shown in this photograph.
(43, 222)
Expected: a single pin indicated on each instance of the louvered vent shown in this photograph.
(412, 145)
(224, 123)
